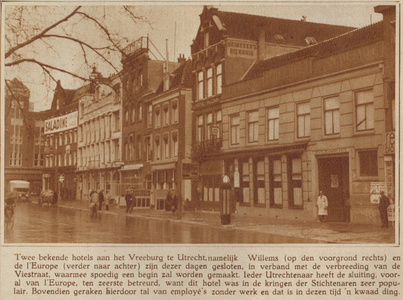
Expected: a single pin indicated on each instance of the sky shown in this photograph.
(177, 22)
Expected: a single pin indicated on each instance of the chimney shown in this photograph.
(261, 43)
(181, 59)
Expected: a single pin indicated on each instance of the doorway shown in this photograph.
(334, 183)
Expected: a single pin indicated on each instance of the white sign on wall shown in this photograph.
(61, 123)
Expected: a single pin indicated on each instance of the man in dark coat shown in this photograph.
(383, 209)
(129, 199)
(55, 197)
(100, 199)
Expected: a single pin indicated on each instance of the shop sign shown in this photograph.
(389, 178)
(390, 143)
(242, 49)
(61, 123)
(375, 188)
(190, 171)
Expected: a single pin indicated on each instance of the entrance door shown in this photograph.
(334, 183)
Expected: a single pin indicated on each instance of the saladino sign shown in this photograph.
(61, 123)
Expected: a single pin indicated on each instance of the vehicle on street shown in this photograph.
(19, 189)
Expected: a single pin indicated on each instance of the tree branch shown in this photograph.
(38, 36)
(42, 65)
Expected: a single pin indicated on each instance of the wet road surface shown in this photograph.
(42, 224)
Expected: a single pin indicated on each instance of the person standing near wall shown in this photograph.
(383, 208)
(322, 206)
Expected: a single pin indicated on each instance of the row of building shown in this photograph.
(284, 108)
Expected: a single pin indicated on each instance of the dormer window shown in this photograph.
(206, 39)
(310, 40)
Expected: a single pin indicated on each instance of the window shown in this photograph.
(273, 116)
(209, 124)
(253, 126)
(175, 143)
(133, 115)
(245, 182)
(81, 109)
(139, 147)
(332, 115)
(150, 116)
(200, 85)
(295, 191)
(175, 112)
(276, 191)
(219, 124)
(234, 123)
(117, 120)
(260, 196)
(157, 148)
(157, 117)
(148, 148)
(127, 150)
(66, 138)
(127, 116)
(368, 163)
(140, 111)
(200, 124)
(61, 139)
(303, 119)
(166, 145)
(210, 82)
(165, 115)
(219, 79)
(206, 39)
(365, 110)
(38, 160)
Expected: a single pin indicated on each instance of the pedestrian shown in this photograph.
(168, 202)
(55, 198)
(128, 198)
(383, 208)
(100, 199)
(322, 206)
(94, 204)
(107, 199)
(174, 204)
(133, 201)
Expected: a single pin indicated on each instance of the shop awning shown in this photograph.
(131, 167)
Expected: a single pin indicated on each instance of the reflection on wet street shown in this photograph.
(37, 224)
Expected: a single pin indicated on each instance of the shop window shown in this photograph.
(303, 119)
(368, 163)
(332, 115)
(235, 130)
(295, 189)
(260, 197)
(219, 79)
(245, 182)
(200, 85)
(253, 126)
(365, 110)
(273, 123)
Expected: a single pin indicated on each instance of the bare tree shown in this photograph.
(52, 41)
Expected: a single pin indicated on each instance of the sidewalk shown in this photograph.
(332, 232)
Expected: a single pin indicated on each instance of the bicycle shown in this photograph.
(9, 216)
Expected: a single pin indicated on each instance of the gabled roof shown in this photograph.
(278, 31)
(293, 32)
(182, 76)
(352, 39)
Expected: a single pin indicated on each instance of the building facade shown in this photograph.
(315, 119)
(23, 138)
(226, 46)
(99, 142)
(141, 76)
